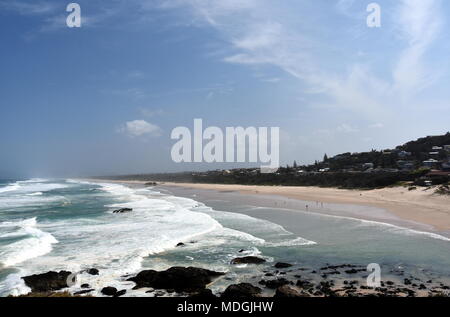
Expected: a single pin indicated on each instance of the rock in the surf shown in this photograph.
(122, 210)
(248, 260)
(282, 265)
(180, 279)
(287, 291)
(50, 281)
(109, 291)
(242, 290)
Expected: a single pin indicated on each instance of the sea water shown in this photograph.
(69, 225)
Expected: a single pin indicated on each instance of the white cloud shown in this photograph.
(377, 125)
(345, 128)
(280, 34)
(139, 128)
(420, 23)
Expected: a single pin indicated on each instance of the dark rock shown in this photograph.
(248, 260)
(241, 250)
(109, 291)
(85, 286)
(305, 284)
(281, 265)
(351, 271)
(287, 291)
(83, 292)
(181, 279)
(268, 274)
(151, 184)
(120, 293)
(204, 293)
(122, 210)
(92, 271)
(50, 281)
(407, 281)
(181, 244)
(242, 290)
(422, 286)
(273, 284)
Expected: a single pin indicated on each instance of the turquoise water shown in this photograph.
(67, 224)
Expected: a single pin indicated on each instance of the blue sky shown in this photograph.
(103, 98)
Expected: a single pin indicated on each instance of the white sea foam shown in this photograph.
(35, 243)
(117, 244)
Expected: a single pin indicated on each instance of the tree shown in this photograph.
(325, 157)
(295, 164)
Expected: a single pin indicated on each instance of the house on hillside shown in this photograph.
(403, 154)
(367, 166)
(432, 163)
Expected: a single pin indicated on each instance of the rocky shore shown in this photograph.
(280, 280)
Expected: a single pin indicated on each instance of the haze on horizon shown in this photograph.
(103, 99)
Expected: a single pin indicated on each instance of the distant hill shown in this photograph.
(423, 162)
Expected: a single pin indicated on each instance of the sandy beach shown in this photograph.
(418, 206)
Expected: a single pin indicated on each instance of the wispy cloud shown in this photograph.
(138, 128)
(420, 22)
(28, 7)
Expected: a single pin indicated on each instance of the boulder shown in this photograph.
(180, 279)
(242, 290)
(109, 291)
(120, 293)
(273, 284)
(204, 293)
(281, 265)
(180, 244)
(287, 291)
(92, 271)
(122, 210)
(248, 260)
(50, 281)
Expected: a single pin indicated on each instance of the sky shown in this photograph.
(103, 98)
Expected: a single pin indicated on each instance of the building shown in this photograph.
(403, 154)
(431, 163)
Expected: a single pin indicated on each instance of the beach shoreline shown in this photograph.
(416, 209)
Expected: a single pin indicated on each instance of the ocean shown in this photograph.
(48, 224)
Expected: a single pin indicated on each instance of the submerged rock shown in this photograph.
(50, 281)
(248, 260)
(122, 210)
(180, 279)
(242, 290)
